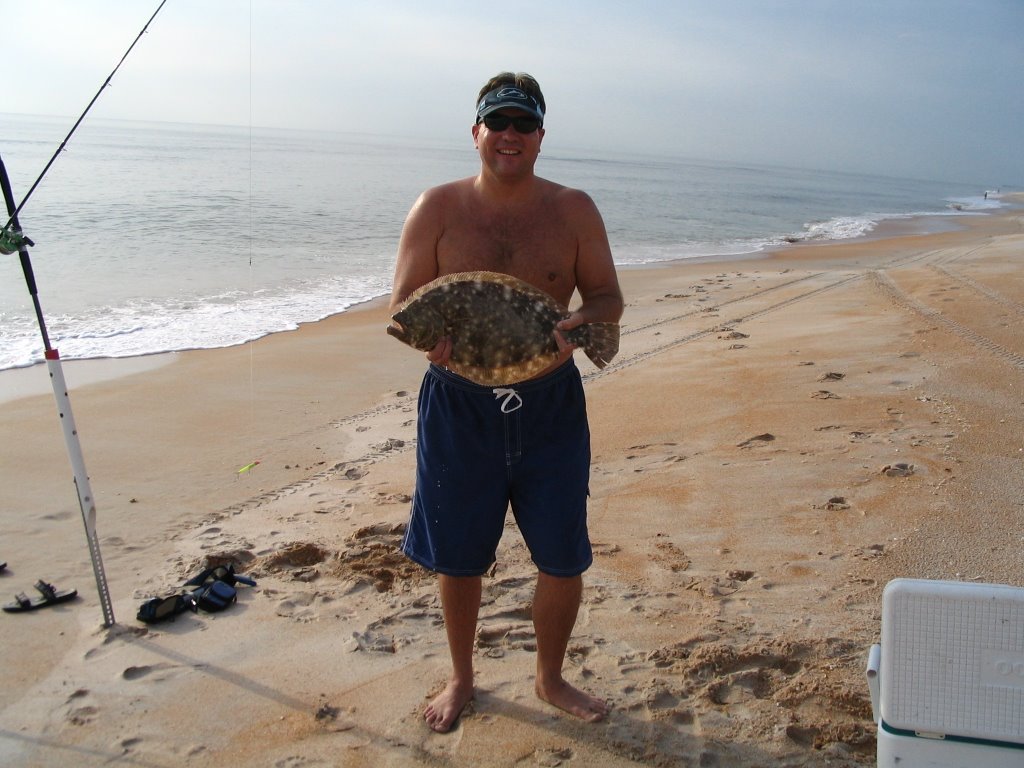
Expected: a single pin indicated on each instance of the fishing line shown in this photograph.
(252, 277)
(67, 138)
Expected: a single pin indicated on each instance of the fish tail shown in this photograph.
(601, 343)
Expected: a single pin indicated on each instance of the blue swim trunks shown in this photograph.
(480, 450)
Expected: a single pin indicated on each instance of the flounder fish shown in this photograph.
(500, 326)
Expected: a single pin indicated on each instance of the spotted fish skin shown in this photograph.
(500, 326)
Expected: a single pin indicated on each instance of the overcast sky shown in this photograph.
(921, 88)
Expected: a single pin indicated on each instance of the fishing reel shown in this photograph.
(11, 241)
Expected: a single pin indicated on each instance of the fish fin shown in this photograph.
(602, 343)
(450, 279)
(487, 277)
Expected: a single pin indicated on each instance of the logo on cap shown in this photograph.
(511, 93)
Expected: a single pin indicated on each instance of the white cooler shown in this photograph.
(947, 680)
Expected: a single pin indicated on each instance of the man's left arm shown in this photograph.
(596, 279)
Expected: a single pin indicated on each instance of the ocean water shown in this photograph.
(157, 237)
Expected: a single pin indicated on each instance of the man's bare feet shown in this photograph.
(446, 707)
(574, 701)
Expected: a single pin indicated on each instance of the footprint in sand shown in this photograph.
(494, 640)
(653, 456)
(551, 758)
(757, 670)
(761, 439)
(671, 557)
(375, 642)
(391, 444)
(298, 553)
(391, 498)
(334, 718)
(296, 559)
(130, 743)
(298, 606)
(900, 469)
(803, 735)
(658, 696)
(601, 549)
(135, 673)
(517, 613)
(58, 516)
(298, 761)
(80, 713)
(329, 509)
(742, 686)
(372, 556)
(869, 552)
(670, 655)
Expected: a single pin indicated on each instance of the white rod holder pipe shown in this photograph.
(85, 498)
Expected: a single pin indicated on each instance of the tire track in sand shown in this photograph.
(901, 299)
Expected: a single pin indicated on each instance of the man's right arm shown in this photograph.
(417, 249)
(416, 264)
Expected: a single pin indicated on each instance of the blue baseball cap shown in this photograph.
(508, 97)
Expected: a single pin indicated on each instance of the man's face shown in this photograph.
(503, 147)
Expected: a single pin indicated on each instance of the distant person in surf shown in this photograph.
(526, 443)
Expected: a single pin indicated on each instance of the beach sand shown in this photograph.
(743, 519)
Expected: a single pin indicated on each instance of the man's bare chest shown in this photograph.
(533, 247)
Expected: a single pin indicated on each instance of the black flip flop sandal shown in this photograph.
(50, 596)
(163, 608)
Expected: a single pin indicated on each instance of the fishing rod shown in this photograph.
(12, 239)
(67, 419)
(14, 213)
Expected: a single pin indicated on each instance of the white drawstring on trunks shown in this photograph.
(512, 401)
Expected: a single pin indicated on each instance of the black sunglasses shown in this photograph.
(499, 123)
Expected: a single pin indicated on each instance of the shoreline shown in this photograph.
(744, 517)
(28, 381)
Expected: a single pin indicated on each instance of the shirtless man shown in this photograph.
(506, 219)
